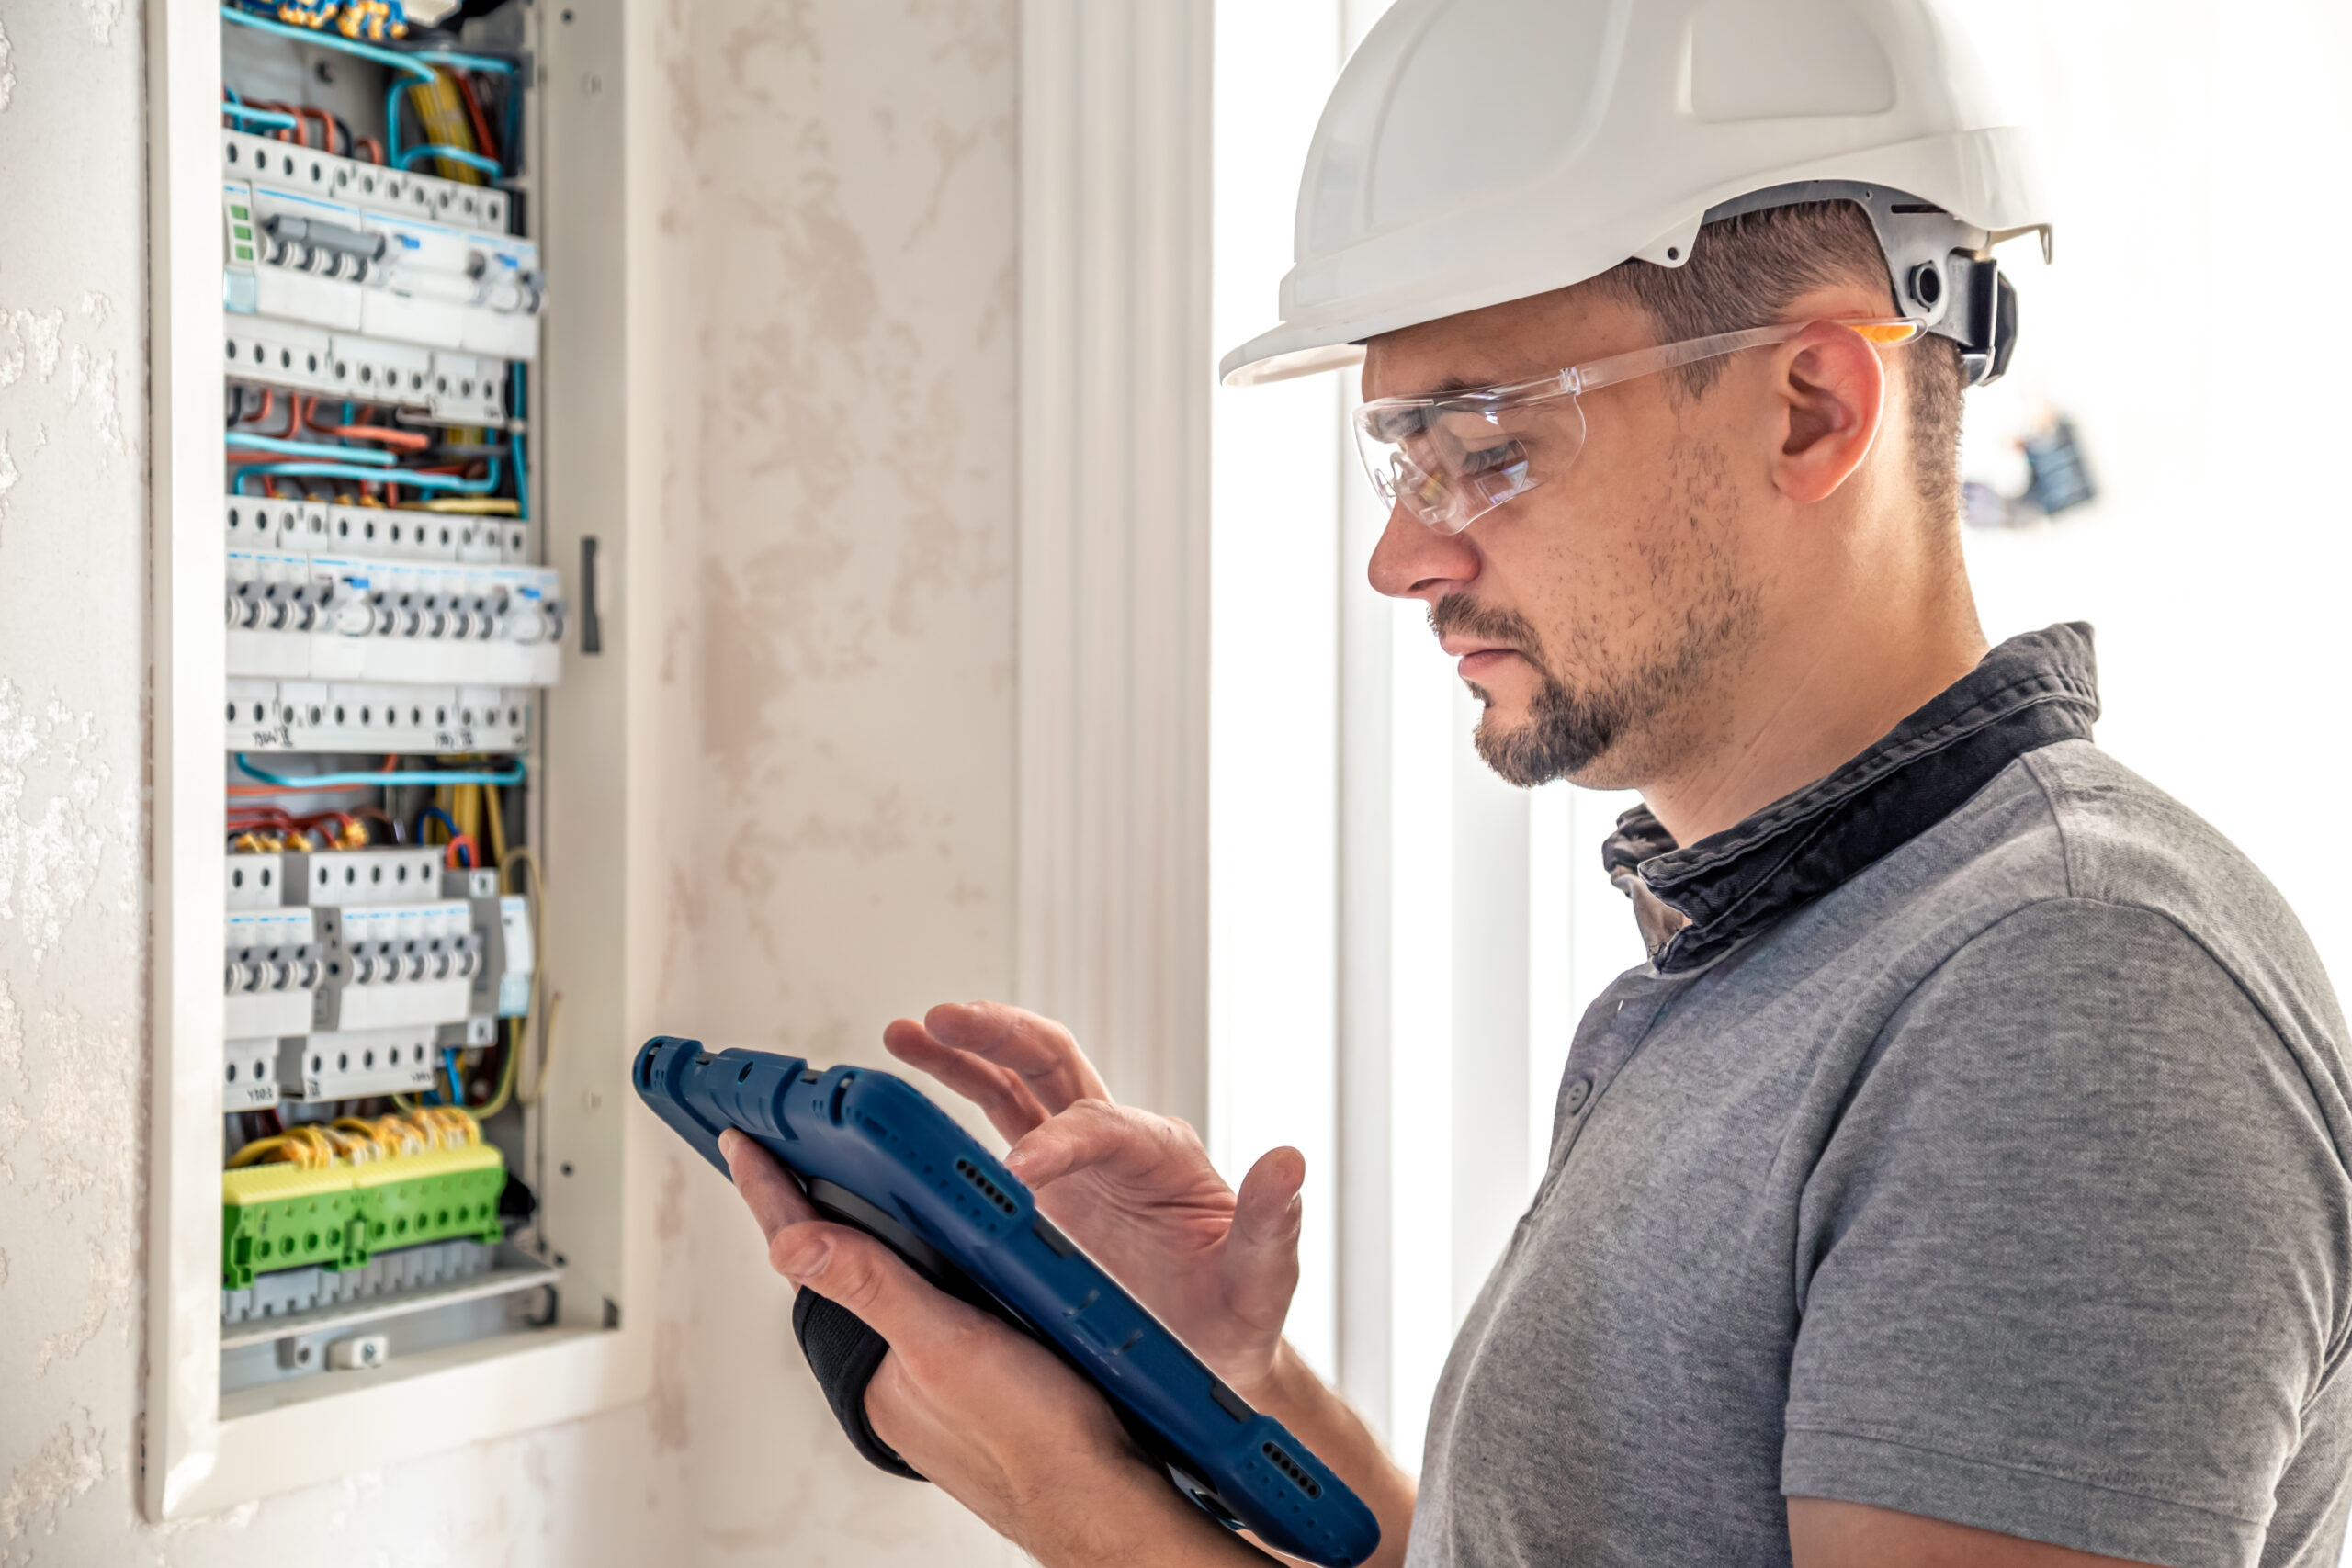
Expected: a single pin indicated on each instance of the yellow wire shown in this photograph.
(475, 506)
(497, 827)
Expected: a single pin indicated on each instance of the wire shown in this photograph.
(372, 779)
(305, 782)
(547, 1048)
(311, 449)
(462, 841)
(349, 46)
(265, 117)
(475, 506)
(414, 155)
(470, 62)
(408, 440)
(514, 439)
(420, 477)
(497, 816)
(434, 811)
(482, 139)
(521, 857)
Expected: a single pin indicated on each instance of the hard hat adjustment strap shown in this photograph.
(1941, 268)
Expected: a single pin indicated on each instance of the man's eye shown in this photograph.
(1501, 455)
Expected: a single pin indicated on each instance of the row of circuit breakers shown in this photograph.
(373, 629)
(349, 971)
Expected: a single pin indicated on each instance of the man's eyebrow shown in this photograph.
(1448, 388)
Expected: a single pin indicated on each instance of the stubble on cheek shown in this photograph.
(1686, 616)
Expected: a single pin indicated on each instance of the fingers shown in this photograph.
(843, 1265)
(1260, 1266)
(1094, 1134)
(1010, 1109)
(769, 1191)
(1039, 1052)
(853, 1270)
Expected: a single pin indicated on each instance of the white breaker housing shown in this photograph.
(327, 242)
(419, 611)
(347, 970)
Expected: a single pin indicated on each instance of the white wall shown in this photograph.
(2195, 150)
(840, 238)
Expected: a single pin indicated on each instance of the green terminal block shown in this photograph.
(279, 1216)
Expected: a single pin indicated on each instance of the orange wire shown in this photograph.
(375, 149)
(415, 440)
(473, 856)
(327, 125)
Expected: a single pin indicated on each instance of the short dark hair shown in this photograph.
(1744, 271)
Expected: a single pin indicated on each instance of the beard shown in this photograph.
(1566, 732)
(1570, 730)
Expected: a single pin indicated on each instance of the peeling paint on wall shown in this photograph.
(7, 72)
(61, 1470)
(88, 1147)
(38, 334)
(8, 475)
(102, 14)
(49, 862)
(13, 1121)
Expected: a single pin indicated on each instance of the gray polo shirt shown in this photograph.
(1973, 1145)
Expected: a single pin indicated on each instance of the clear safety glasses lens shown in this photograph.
(1451, 460)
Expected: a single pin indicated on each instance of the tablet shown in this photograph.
(876, 1153)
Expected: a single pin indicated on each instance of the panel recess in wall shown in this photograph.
(370, 1133)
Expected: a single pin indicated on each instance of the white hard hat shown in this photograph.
(1479, 151)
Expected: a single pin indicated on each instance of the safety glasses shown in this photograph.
(1451, 459)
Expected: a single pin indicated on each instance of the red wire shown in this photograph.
(482, 143)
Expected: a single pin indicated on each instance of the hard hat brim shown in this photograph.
(1987, 177)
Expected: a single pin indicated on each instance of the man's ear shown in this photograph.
(1830, 395)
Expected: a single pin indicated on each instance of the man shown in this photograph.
(1962, 1180)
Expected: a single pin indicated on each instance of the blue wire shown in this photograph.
(482, 486)
(433, 811)
(471, 61)
(449, 1061)
(328, 38)
(515, 443)
(362, 455)
(414, 155)
(234, 96)
(266, 116)
(345, 781)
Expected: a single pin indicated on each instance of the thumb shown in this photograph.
(1261, 1265)
(852, 1270)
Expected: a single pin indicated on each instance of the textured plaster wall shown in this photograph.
(837, 232)
(854, 222)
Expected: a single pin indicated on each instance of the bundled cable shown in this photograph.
(355, 1140)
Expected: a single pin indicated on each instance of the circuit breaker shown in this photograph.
(391, 624)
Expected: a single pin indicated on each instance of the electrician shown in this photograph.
(1961, 1180)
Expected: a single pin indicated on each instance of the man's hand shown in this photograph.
(989, 1414)
(1136, 1190)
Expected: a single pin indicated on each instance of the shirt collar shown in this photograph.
(1696, 903)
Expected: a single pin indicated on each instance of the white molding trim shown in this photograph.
(1116, 369)
(180, 1437)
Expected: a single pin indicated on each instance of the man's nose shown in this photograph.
(1413, 561)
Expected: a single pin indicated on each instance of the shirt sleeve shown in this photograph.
(2072, 1265)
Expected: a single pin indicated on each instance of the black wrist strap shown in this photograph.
(844, 1354)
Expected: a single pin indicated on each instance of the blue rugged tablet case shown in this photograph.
(876, 1153)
